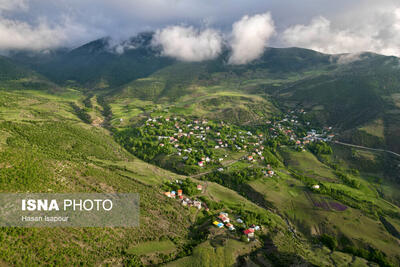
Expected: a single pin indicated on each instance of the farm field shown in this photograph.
(307, 164)
(152, 247)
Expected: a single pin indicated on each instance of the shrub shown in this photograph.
(329, 241)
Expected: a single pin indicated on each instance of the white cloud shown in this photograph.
(250, 37)
(15, 34)
(349, 58)
(348, 27)
(381, 34)
(188, 43)
(9, 5)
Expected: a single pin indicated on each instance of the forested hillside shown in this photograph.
(251, 148)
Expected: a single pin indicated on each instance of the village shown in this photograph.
(201, 148)
(220, 220)
(299, 134)
(207, 144)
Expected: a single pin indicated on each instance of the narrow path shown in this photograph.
(367, 148)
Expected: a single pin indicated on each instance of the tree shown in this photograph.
(329, 241)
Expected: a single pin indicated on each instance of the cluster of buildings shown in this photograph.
(314, 136)
(288, 125)
(223, 219)
(188, 137)
(186, 201)
(205, 135)
(174, 194)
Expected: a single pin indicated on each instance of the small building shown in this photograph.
(199, 187)
(249, 232)
(239, 220)
(201, 163)
(168, 194)
(197, 204)
(316, 186)
(223, 218)
(180, 192)
(230, 226)
(250, 158)
(216, 223)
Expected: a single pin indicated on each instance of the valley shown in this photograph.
(278, 143)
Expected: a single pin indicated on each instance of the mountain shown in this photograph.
(259, 140)
(99, 63)
(19, 76)
(360, 98)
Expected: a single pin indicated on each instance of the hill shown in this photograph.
(44, 147)
(359, 98)
(98, 64)
(256, 139)
(18, 76)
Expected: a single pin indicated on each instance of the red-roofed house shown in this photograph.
(249, 232)
(223, 218)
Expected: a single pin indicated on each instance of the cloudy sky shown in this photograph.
(195, 30)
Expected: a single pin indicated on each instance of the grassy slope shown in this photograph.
(44, 147)
(46, 150)
(238, 95)
(351, 95)
(296, 201)
(360, 98)
(217, 255)
(222, 93)
(183, 89)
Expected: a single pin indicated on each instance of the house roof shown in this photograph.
(246, 232)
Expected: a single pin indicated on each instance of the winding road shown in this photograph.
(367, 148)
